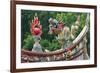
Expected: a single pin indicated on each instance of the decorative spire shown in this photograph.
(36, 27)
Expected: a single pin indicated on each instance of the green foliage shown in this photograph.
(67, 18)
(28, 42)
(44, 43)
(51, 46)
(54, 45)
(82, 20)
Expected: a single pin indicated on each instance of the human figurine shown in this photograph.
(60, 25)
(75, 27)
(82, 44)
(63, 37)
(55, 26)
(53, 22)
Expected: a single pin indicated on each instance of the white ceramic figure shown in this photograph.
(36, 46)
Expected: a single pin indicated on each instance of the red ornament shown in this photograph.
(36, 31)
(36, 28)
